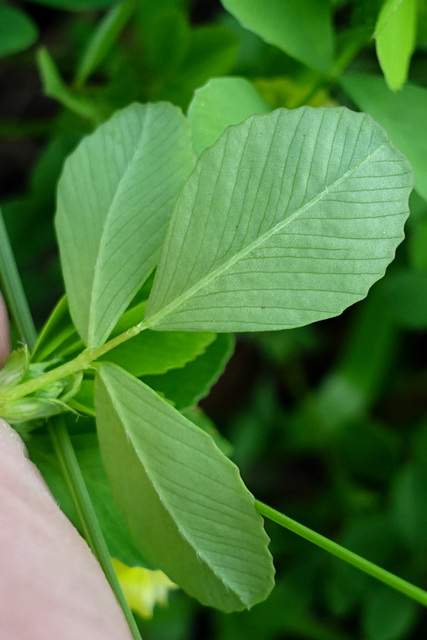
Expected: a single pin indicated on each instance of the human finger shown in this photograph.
(51, 586)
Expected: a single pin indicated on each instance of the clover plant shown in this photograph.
(175, 232)
(288, 218)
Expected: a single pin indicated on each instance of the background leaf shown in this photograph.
(408, 502)
(183, 499)
(220, 103)
(103, 38)
(212, 51)
(404, 294)
(374, 538)
(395, 40)
(57, 329)
(183, 386)
(186, 386)
(167, 38)
(114, 200)
(17, 30)
(402, 115)
(154, 352)
(278, 226)
(387, 615)
(77, 5)
(301, 28)
(54, 87)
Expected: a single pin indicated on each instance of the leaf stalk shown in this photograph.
(393, 581)
(81, 363)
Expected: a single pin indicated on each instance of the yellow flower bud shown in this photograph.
(143, 588)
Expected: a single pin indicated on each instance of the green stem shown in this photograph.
(14, 291)
(81, 363)
(61, 441)
(335, 549)
(90, 526)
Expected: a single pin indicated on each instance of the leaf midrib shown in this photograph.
(92, 323)
(181, 531)
(180, 300)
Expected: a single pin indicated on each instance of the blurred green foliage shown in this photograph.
(328, 423)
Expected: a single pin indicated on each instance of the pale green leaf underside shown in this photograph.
(184, 501)
(287, 219)
(115, 197)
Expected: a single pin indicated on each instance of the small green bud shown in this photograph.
(63, 389)
(37, 369)
(72, 386)
(31, 408)
(15, 368)
(52, 390)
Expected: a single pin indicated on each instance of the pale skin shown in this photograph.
(51, 586)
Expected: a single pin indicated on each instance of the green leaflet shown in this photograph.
(395, 34)
(301, 28)
(183, 499)
(17, 30)
(154, 352)
(115, 197)
(287, 219)
(120, 543)
(402, 114)
(220, 103)
(186, 386)
(201, 420)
